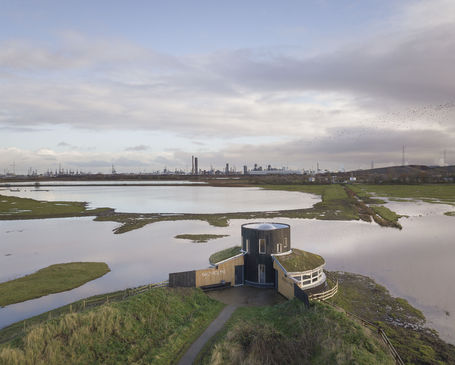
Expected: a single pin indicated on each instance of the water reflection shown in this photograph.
(415, 263)
(172, 199)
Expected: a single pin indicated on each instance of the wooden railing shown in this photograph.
(79, 306)
(122, 294)
(378, 329)
(324, 295)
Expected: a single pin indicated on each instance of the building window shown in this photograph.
(279, 248)
(285, 244)
(247, 245)
(261, 245)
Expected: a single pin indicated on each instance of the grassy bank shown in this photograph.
(288, 333)
(403, 324)
(52, 279)
(12, 207)
(154, 327)
(224, 254)
(386, 213)
(200, 238)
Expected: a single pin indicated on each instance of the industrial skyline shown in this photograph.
(292, 84)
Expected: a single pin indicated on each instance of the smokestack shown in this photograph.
(196, 169)
(192, 165)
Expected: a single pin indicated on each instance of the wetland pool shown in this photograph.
(172, 199)
(415, 263)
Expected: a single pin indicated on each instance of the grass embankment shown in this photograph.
(154, 327)
(300, 260)
(52, 279)
(224, 254)
(288, 333)
(403, 324)
(200, 238)
(12, 207)
(380, 214)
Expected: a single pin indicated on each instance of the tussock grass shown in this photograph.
(289, 333)
(52, 279)
(154, 327)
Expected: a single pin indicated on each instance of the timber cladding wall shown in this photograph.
(185, 279)
(224, 271)
(285, 285)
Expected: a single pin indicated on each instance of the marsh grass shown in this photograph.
(52, 279)
(288, 333)
(12, 207)
(200, 238)
(432, 193)
(403, 324)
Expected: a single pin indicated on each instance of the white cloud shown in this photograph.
(395, 81)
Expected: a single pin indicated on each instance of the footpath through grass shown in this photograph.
(154, 327)
(403, 324)
(52, 279)
(289, 333)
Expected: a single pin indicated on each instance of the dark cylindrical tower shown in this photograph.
(260, 241)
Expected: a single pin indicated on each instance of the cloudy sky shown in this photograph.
(144, 85)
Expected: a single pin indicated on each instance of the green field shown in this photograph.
(12, 207)
(289, 333)
(52, 279)
(200, 238)
(154, 327)
(404, 324)
(432, 193)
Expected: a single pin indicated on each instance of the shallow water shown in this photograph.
(415, 263)
(172, 199)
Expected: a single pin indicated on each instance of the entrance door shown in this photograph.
(261, 273)
(239, 275)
